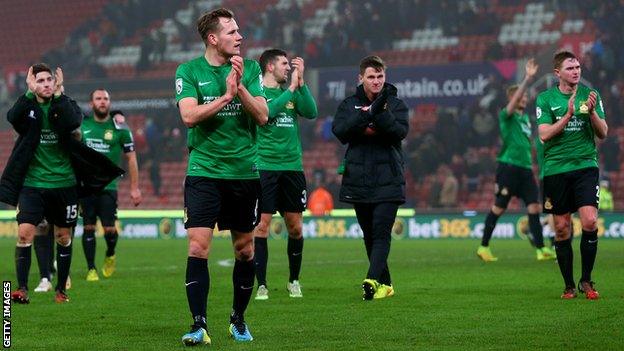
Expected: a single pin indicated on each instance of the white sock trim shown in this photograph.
(68, 244)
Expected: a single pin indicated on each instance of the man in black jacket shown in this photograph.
(373, 122)
(46, 171)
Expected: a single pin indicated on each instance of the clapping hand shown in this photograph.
(238, 67)
(231, 85)
(58, 85)
(118, 117)
(380, 102)
(31, 81)
(591, 101)
(298, 65)
(531, 68)
(294, 79)
(571, 104)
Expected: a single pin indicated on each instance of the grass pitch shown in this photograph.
(446, 299)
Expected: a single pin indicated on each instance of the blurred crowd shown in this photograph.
(361, 27)
(119, 23)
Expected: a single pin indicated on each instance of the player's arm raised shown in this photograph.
(530, 69)
(304, 101)
(193, 113)
(279, 103)
(305, 104)
(256, 106)
(58, 84)
(299, 65)
(598, 124)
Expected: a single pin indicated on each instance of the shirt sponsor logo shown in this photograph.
(282, 120)
(574, 125)
(98, 145)
(48, 136)
(233, 109)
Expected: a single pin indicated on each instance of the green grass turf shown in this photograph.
(445, 299)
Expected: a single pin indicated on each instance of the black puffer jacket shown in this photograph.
(93, 170)
(374, 158)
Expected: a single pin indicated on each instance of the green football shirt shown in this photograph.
(223, 146)
(50, 166)
(107, 138)
(279, 146)
(515, 134)
(574, 148)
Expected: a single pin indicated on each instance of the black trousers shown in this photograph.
(376, 221)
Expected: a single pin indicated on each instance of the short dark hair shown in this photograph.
(268, 56)
(562, 56)
(373, 61)
(97, 89)
(209, 22)
(41, 67)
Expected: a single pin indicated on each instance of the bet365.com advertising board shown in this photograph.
(343, 224)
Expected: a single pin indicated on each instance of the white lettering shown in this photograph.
(616, 230)
(337, 89)
(140, 230)
(354, 231)
(449, 88)
(423, 230)
(502, 230)
(98, 145)
(309, 229)
(574, 125)
(180, 231)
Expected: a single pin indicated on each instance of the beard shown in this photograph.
(45, 96)
(228, 52)
(101, 113)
